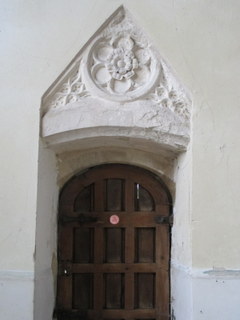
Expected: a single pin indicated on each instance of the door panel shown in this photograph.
(83, 245)
(145, 250)
(113, 246)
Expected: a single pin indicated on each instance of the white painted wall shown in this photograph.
(200, 41)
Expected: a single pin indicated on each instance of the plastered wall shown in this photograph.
(199, 39)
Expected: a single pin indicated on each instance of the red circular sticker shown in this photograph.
(114, 219)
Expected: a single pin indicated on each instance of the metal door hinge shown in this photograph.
(164, 220)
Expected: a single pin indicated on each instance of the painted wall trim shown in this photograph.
(16, 275)
(214, 273)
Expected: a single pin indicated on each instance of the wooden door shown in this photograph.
(113, 246)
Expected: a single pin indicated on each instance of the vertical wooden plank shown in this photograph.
(129, 246)
(98, 246)
(162, 246)
(129, 275)
(162, 275)
(64, 288)
(162, 293)
(65, 244)
(129, 195)
(98, 276)
(99, 195)
(98, 292)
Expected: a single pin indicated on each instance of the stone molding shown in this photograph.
(118, 79)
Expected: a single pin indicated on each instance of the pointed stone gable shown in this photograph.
(119, 80)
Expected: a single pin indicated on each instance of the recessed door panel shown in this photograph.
(114, 290)
(114, 245)
(82, 291)
(83, 243)
(144, 290)
(145, 245)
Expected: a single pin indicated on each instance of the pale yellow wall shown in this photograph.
(213, 59)
(200, 40)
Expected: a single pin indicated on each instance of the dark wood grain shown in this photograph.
(114, 271)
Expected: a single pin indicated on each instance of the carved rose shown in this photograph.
(121, 64)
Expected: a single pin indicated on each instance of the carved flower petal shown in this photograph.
(103, 52)
(61, 100)
(129, 74)
(126, 43)
(128, 66)
(121, 86)
(121, 71)
(118, 51)
(166, 103)
(128, 59)
(101, 74)
(142, 75)
(111, 67)
(71, 98)
(65, 88)
(135, 64)
(161, 92)
(77, 87)
(117, 76)
(173, 94)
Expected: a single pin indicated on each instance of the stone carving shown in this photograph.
(70, 91)
(171, 99)
(117, 86)
(120, 64)
(122, 68)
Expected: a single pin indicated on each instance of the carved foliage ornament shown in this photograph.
(72, 90)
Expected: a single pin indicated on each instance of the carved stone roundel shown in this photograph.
(122, 68)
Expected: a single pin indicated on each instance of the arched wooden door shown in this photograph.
(113, 246)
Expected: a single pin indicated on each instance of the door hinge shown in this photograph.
(164, 220)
